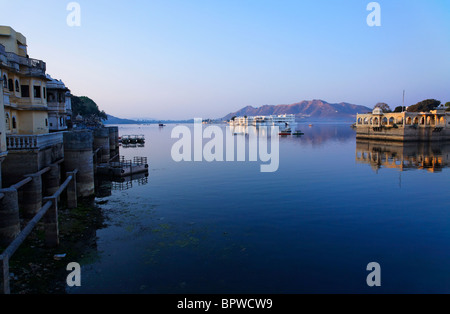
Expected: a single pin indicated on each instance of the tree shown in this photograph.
(399, 109)
(424, 106)
(383, 106)
(448, 106)
(86, 107)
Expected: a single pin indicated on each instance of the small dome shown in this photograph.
(377, 111)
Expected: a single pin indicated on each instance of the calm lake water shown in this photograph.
(333, 206)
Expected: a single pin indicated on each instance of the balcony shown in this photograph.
(32, 142)
(30, 67)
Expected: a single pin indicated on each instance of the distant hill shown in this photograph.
(114, 120)
(307, 110)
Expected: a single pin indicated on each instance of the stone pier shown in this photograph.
(9, 216)
(101, 140)
(78, 154)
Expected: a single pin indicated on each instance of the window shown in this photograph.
(37, 91)
(46, 122)
(14, 124)
(17, 86)
(25, 90)
(7, 120)
(45, 92)
(10, 85)
(5, 82)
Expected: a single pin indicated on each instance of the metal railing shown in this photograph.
(49, 211)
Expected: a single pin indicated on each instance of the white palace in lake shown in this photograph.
(273, 120)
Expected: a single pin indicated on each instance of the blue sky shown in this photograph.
(177, 59)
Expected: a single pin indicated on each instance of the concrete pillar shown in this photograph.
(31, 200)
(101, 140)
(52, 180)
(78, 155)
(51, 223)
(112, 141)
(9, 216)
(4, 276)
(72, 191)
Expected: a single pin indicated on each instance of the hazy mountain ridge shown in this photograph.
(307, 109)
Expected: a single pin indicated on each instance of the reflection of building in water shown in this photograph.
(430, 156)
(126, 183)
(133, 145)
(250, 130)
(104, 185)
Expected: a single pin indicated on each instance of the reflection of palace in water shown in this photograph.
(430, 156)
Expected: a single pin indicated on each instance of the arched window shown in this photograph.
(371, 121)
(391, 121)
(359, 121)
(384, 121)
(5, 82)
(366, 120)
(10, 85)
(14, 123)
(416, 120)
(408, 121)
(17, 86)
(375, 122)
(422, 121)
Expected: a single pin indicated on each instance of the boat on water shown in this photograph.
(286, 132)
(298, 133)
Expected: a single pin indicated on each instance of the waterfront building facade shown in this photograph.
(24, 86)
(59, 105)
(404, 126)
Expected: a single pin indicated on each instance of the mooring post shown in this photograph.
(9, 216)
(4, 275)
(72, 196)
(51, 223)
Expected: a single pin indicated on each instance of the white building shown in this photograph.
(273, 120)
(59, 105)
